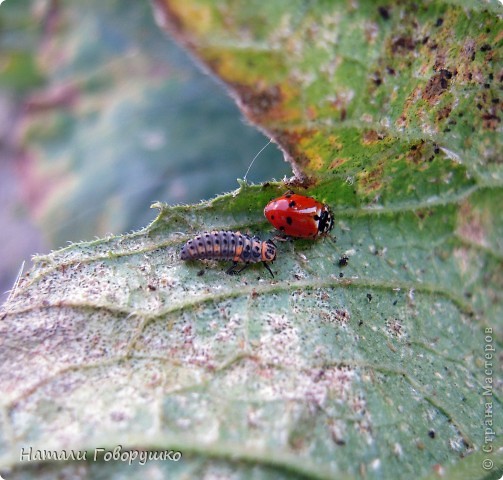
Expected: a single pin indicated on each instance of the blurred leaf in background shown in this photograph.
(20, 31)
(107, 116)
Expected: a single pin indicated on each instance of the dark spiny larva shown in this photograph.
(226, 245)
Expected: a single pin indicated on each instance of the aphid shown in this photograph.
(299, 216)
(226, 245)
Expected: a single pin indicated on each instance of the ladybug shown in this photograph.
(226, 245)
(298, 216)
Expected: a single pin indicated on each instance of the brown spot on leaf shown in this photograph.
(490, 121)
(290, 142)
(436, 86)
(300, 181)
(342, 315)
(471, 224)
(258, 102)
(416, 154)
(370, 180)
(170, 20)
(371, 136)
(402, 45)
(490, 110)
(394, 327)
(337, 163)
(444, 112)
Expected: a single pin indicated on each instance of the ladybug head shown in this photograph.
(326, 222)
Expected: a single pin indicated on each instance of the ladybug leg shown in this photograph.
(241, 269)
(232, 270)
(266, 265)
(279, 238)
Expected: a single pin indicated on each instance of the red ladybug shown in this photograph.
(299, 216)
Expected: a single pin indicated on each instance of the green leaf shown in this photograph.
(378, 369)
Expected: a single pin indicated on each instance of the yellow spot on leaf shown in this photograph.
(333, 141)
(198, 19)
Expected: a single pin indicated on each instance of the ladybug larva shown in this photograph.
(298, 216)
(227, 245)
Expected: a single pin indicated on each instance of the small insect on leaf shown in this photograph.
(298, 216)
(228, 245)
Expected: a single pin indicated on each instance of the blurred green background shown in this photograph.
(102, 114)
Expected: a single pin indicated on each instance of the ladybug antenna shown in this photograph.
(255, 157)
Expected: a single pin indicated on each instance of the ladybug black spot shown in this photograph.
(289, 220)
(292, 204)
(272, 217)
(316, 217)
(282, 228)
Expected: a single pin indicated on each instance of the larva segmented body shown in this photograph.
(227, 245)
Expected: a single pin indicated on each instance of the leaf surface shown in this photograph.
(375, 369)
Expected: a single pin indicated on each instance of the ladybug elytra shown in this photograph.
(298, 216)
